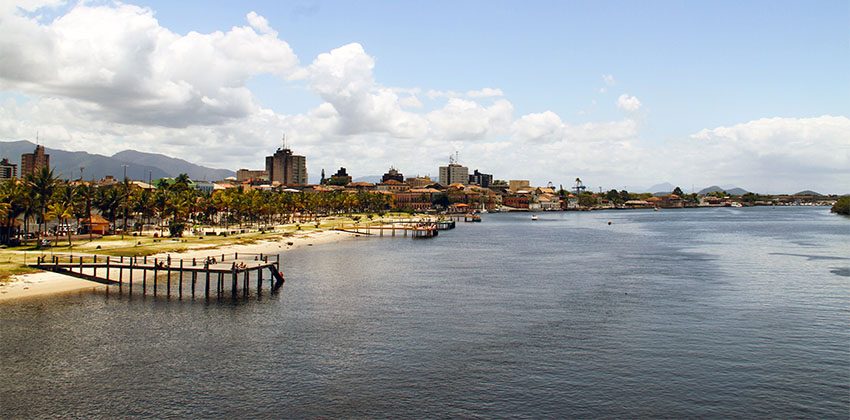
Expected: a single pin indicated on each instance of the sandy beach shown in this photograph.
(45, 283)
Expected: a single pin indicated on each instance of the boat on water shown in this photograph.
(533, 217)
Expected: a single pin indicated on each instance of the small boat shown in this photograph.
(533, 217)
(655, 209)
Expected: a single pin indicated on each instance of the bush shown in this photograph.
(176, 229)
(842, 206)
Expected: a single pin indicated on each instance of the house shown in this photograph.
(548, 202)
(95, 223)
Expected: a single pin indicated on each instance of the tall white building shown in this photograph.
(454, 173)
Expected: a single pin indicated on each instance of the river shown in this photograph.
(679, 313)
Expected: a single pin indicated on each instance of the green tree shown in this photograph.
(842, 206)
(678, 191)
(42, 184)
(62, 212)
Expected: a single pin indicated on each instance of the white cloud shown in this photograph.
(608, 79)
(470, 94)
(260, 23)
(628, 103)
(343, 77)
(120, 59)
(467, 120)
(545, 127)
(410, 102)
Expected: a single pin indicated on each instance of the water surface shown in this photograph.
(689, 313)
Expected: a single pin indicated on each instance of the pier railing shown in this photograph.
(213, 268)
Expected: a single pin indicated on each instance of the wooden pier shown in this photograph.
(185, 277)
(466, 217)
(416, 229)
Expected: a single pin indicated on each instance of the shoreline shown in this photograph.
(45, 283)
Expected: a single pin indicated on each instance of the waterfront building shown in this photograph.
(286, 168)
(243, 175)
(341, 177)
(516, 201)
(8, 170)
(417, 199)
(481, 179)
(454, 173)
(545, 202)
(393, 173)
(33, 162)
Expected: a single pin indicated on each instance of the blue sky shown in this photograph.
(694, 64)
(696, 92)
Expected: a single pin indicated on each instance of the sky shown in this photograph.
(622, 94)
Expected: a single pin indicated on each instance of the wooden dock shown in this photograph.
(466, 217)
(415, 229)
(186, 277)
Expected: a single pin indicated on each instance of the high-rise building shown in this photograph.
(454, 174)
(393, 173)
(483, 180)
(33, 162)
(8, 170)
(286, 168)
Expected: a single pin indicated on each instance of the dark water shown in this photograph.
(697, 313)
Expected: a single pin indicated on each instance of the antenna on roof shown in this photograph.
(284, 140)
(36, 137)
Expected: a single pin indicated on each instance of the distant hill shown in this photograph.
(808, 192)
(67, 164)
(736, 191)
(174, 166)
(665, 188)
(730, 191)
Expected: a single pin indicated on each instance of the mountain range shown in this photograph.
(140, 165)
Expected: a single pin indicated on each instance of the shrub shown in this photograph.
(842, 206)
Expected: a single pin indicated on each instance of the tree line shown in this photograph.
(42, 198)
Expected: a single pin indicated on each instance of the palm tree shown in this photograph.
(62, 212)
(108, 201)
(86, 193)
(42, 183)
(15, 197)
